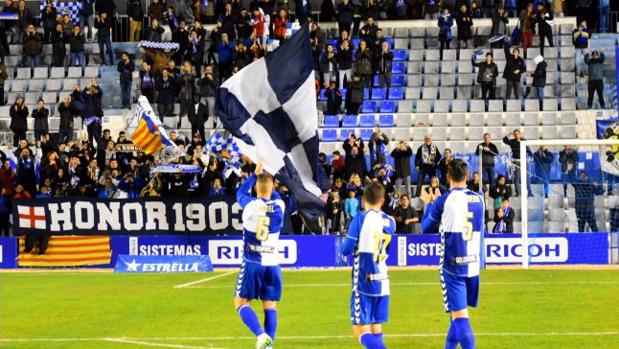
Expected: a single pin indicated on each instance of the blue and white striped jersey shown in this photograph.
(371, 231)
(262, 221)
(459, 217)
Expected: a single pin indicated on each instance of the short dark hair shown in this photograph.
(489, 53)
(373, 193)
(457, 169)
(505, 200)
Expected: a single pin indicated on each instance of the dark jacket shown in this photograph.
(487, 157)
(67, 114)
(345, 13)
(243, 26)
(344, 59)
(355, 164)
(363, 62)
(104, 27)
(241, 58)
(32, 44)
(377, 144)
(134, 10)
(544, 21)
(166, 89)
(567, 158)
(153, 34)
(156, 10)
(327, 11)
(499, 25)
(355, 92)
(107, 6)
(58, 44)
(507, 219)
(539, 76)
(76, 43)
(595, 66)
(3, 74)
(514, 145)
(92, 103)
(384, 62)
(543, 161)
(208, 87)
(18, 118)
(487, 71)
(126, 71)
(325, 60)
(41, 122)
(432, 162)
(464, 23)
(512, 65)
(402, 161)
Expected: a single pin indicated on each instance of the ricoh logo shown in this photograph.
(230, 252)
(541, 250)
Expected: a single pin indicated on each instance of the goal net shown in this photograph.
(572, 186)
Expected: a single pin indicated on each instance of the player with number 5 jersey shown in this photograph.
(368, 239)
(458, 216)
(260, 275)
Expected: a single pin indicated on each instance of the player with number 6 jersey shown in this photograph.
(368, 239)
(458, 215)
(260, 275)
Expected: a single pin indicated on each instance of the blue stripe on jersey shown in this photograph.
(461, 224)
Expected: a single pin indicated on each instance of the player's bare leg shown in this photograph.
(460, 331)
(270, 318)
(370, 336)
(250, 319)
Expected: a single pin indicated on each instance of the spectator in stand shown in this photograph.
(527, 27)
(539, 80)
(19, 115)
(136, 15)
(105, 6)
(489, 7)
(68, 111)
(6, 6)
(258, 24)
(476, 11)
(543, 159)
(225, 49)
(328, 65)
(92, 111)
(59, 50)
(434, 188)
(67, 24)
(125, 68)
(499, 191)
(41, 120)
(104, 37)
(344, 64)
(445, 35)
(85, 14)
(48, 21)
(334, 211)
(186, 95)
(499, 27)
(585, 192)
(352, 206)
(208, 94)
(147, 82)
(338, 166)
(426, 161)
(345, 11)
(181, 37)
(334, 98)
(327, 11)
(595, 61)
(32, 47)
(514, 145)
(363, 64)
(514, 68)
(402, 159)
(195, 52)
(24, 19)
(405, 216)
(401, 9)
(545, 20)
(76, 48)
(354, 95)
(3, 76)
(244, 27)
(355, 162)
(156, 10)
(166, 86)
(473, 184)
(154, 32)
(504, 218)
(489, 152)
(568, 156)
(377, 146)
(580, 36)
(368, 31)
(281, 25)
(486, 77)
(431, 9)
(26, 170)
(442, 168)
(303, 11)
(464, 22)
(385, 63)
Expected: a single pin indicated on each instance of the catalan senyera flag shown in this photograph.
(68, 251)
(146, 130)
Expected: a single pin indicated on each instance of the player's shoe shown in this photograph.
(264, 341)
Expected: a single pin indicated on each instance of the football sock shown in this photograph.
(370, 342)
(250, 319)
(270, 322)
(379, 336)
(465, 333)
(452, 337)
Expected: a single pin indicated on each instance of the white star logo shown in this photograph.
(133, 266)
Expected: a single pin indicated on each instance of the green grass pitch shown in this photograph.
(518, 309)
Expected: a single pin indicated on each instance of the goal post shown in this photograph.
(566, 191)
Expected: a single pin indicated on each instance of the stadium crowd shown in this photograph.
(103, 167)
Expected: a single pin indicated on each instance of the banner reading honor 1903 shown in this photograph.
(83, 216)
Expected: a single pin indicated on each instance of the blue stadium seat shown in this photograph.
(396, 93)
(333, 42)
(398, 80)
(368, 120)
(388, 107)
(379, 93)
(332, 121)
(390, 41)
(398, 68)
(349, 121)
(368, 107)
(329, 135)
(355, 43)
(400, 55)
(366, 133)
(343, 92)
(385, 120)
(376, 81)
(345, 132)
(322, 96)
(366, 94)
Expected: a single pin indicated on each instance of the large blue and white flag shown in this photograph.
(270, 108)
